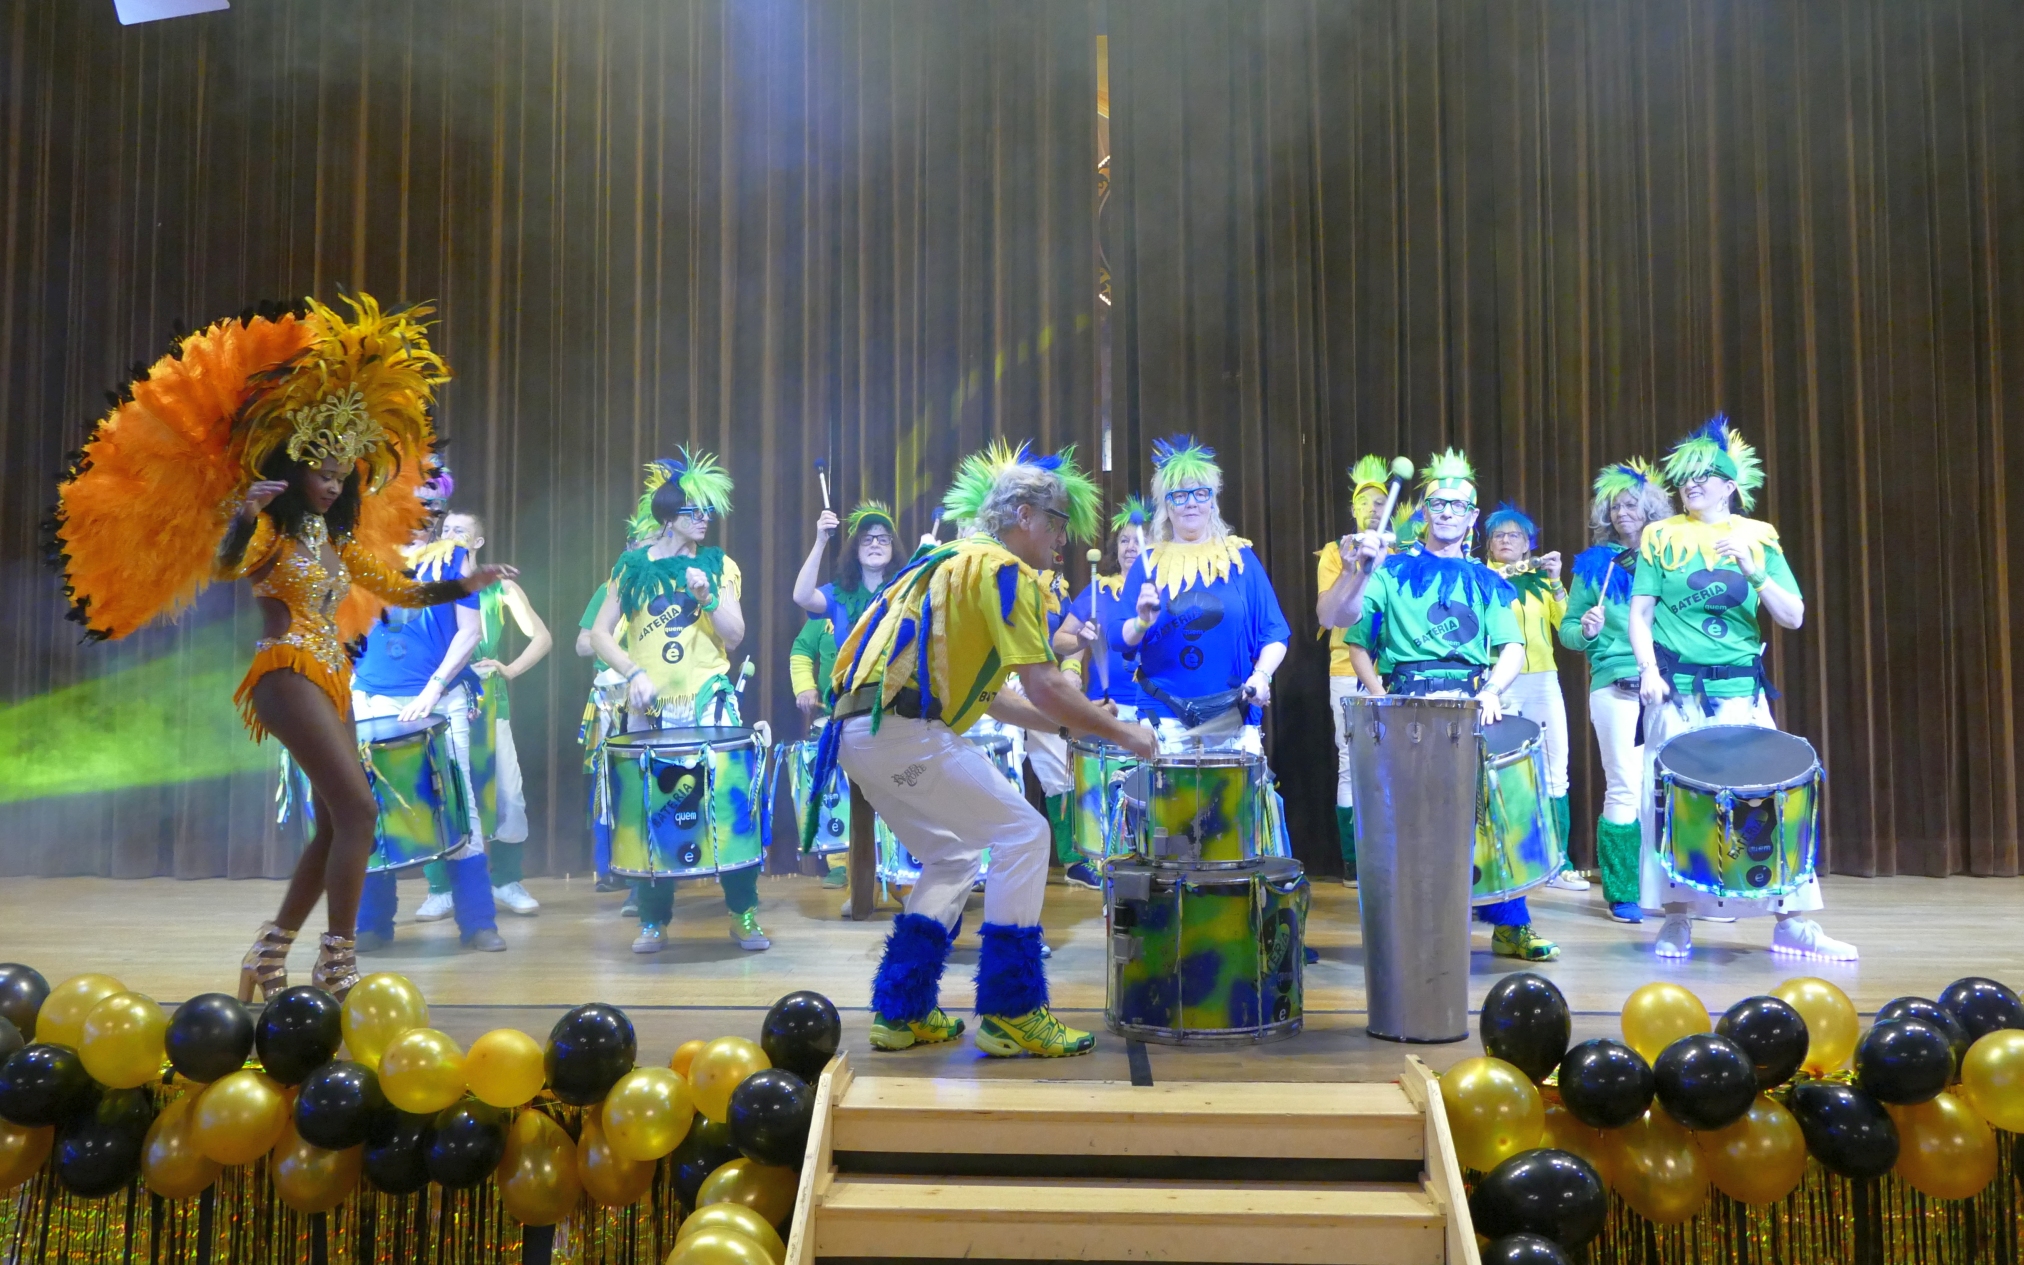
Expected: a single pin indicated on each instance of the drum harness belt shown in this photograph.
(859, 702)
(1670, 665)
(1192, 712)
(1420, 677)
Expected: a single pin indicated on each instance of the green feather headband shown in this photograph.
(1368, 472)
(1133, 513)
(702, 480)
(1717, 448)
(1449, 467)
(866, 513)
(1184, 462)
(978, 476)
(1633, 475)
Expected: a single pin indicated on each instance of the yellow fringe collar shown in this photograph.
(1111, 585)
(1174, 565)
(1677, 541)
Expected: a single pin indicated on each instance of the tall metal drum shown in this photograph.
(1415, 764)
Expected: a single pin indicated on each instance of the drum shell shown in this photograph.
(1415, 765)
(1205, 956)
(715, 829)
(424, 811)
(1698, 851)
(1099, 767)
(1197, 811)
(832, 807)
(1517, 844)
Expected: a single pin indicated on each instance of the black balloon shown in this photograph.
(801, 1034)
(707, 1149)
(209, 1037)
(1525, 1023)
(466, 1143)
(588, 1050)
(22, 992)
(1525, 1249)
(1553, 1194)
(1771, 1032)
(337, 1105)
(396, 1152)
(100, 1152)
(1926, 1010)
(770, 1114)
(1905, 1062)
(1605, 1084)
(10, 1039)
(1846, 1130)
(1705, 1081)
(45, 1084)
(298, 1032)
(1982, 1006)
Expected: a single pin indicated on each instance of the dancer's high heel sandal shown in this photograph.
(266, 964)
(336, 965)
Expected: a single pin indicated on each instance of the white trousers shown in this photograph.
(454, 706)
(507, 787)
(1536, 696)
(1662, 724)
(1339, 688)
(946, 801)
(1048, 754)
(1613, 714)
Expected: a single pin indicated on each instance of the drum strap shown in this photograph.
(1671, 666)
(1191, 712)
(1433, 676)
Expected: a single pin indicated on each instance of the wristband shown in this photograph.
(630, 675)
(1758, 579)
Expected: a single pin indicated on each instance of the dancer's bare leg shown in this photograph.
(323, 743)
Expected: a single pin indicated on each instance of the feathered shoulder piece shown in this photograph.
(702, 480)
(1684, 540)
(1132, 512)
(428, 560)
(1618, 477)
(867, 513)
(1717, 447)
(980, 472)
(1420, 573)
(1597, 567)
(1173, 565)
(637, 579)
(1184, 462)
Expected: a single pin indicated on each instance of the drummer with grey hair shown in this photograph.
(1439, 625)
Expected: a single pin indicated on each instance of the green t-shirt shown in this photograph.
(1419, 607)
(1706, 612)
(1609, 655)
(492, 633)
(814, 644)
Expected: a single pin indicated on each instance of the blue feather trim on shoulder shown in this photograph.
(1008, 591)
(1596, 567)
(1419, 572)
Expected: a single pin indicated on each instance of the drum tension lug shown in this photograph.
(1130, 885)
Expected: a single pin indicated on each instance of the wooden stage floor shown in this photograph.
(171, 939)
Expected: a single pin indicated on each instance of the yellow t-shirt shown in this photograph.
(674, 642)
(987, 614)
(1541, 605)
(1327, 570)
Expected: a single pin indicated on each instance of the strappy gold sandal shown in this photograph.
(265, 966)
(336, 965)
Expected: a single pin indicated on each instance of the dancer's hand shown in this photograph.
(1492, 704)
(809, 702)
(489, 668)
(258, 495)
(1591, 622)
(1260, 686)
(423, 703)
(487, 576)
(1651, 687)
(1139, 740)
(1148, 605)
(826, 524)
(1730, 549)
(699, 584)
(641, 692)
(1550, 563)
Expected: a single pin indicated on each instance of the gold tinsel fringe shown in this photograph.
(639, 1234)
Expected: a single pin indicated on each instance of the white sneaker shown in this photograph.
(1568, 881)
(515, 899)
(1676, 938)
(438, 906)
(651, 939)
(1803, 938)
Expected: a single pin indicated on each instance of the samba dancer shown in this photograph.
(671, 618)
(1440, 625)
(1368, 488)
(1705, 580)
(1535, 695)
(932, 655)
(282, 448)
(1628, 495)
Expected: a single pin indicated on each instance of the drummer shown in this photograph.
(671, 618)
(1367, 488)
(1046, 750)
(1705, 580)
(976, 610)
(1628, 495)
(1440, 626)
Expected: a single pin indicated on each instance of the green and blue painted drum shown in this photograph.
(1518, 844)
(1199, 809)
(1739, 811)
(832, 808)
(1100, 770)
(1205, 956)
(424, 810)
(688, 803)
(898, 867)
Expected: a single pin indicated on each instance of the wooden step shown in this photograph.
(1033, 1219)
(1335, 1121)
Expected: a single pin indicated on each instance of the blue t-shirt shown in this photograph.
(1106, 597)
(406, 647)
(1207, 639)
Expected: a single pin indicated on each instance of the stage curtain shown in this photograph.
(1559, 232)
(861, 230)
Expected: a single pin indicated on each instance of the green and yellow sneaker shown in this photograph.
(1036, 1032)
(1523, 944)
(746, 931)
(933, 1030)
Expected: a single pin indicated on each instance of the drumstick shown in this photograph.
(1401, 470)
(822, 476)
(1101, 662)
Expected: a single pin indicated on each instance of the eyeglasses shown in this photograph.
(701, 513)
(1702, 480)
(1442, 505)
(1190, 496)
(1057, 514)
(1511, 535)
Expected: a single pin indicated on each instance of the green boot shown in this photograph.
(1616, 854)
(1062, 824)
(1560, 818)
(1345, 834)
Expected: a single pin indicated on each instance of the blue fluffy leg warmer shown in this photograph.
(1010, 978)
(378, 903)
(471, 895)
(1506, 913)
(908, 985)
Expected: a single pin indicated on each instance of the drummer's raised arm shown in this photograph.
(1340, 605)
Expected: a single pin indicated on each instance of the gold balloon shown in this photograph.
(537, 1175)
(505, 1068)
(1831, 1025)
(605, 1175)
(1944, 1149)
(1657, 1015)
(1992, 1079)
(422, 1071)
(719, 1246)
(1760, 1159)
(171, 1164)
(764, 1188)
(23, 1152)
(1658, 1168)
(720, 1067)
(685, 1055)
(61, 1019)
(648, 1113)
(738, 1219)
(378, 1009)
(122, 1041)
(238, 1118)
(309, 1178)
(1564, 1133)
(1494, 1111)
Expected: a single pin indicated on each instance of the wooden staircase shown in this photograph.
(1003, 1170)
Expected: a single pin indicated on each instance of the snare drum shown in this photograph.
(898, 867)
(1205, 956)
(1518, 847)
(1738, 810)
(424, 810)
(1100, 770)
(1200, 808)
(687, 803)
(832, 825)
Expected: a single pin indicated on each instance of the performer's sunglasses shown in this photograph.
(1191, 496)
(1442, 505)
(694, 511)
